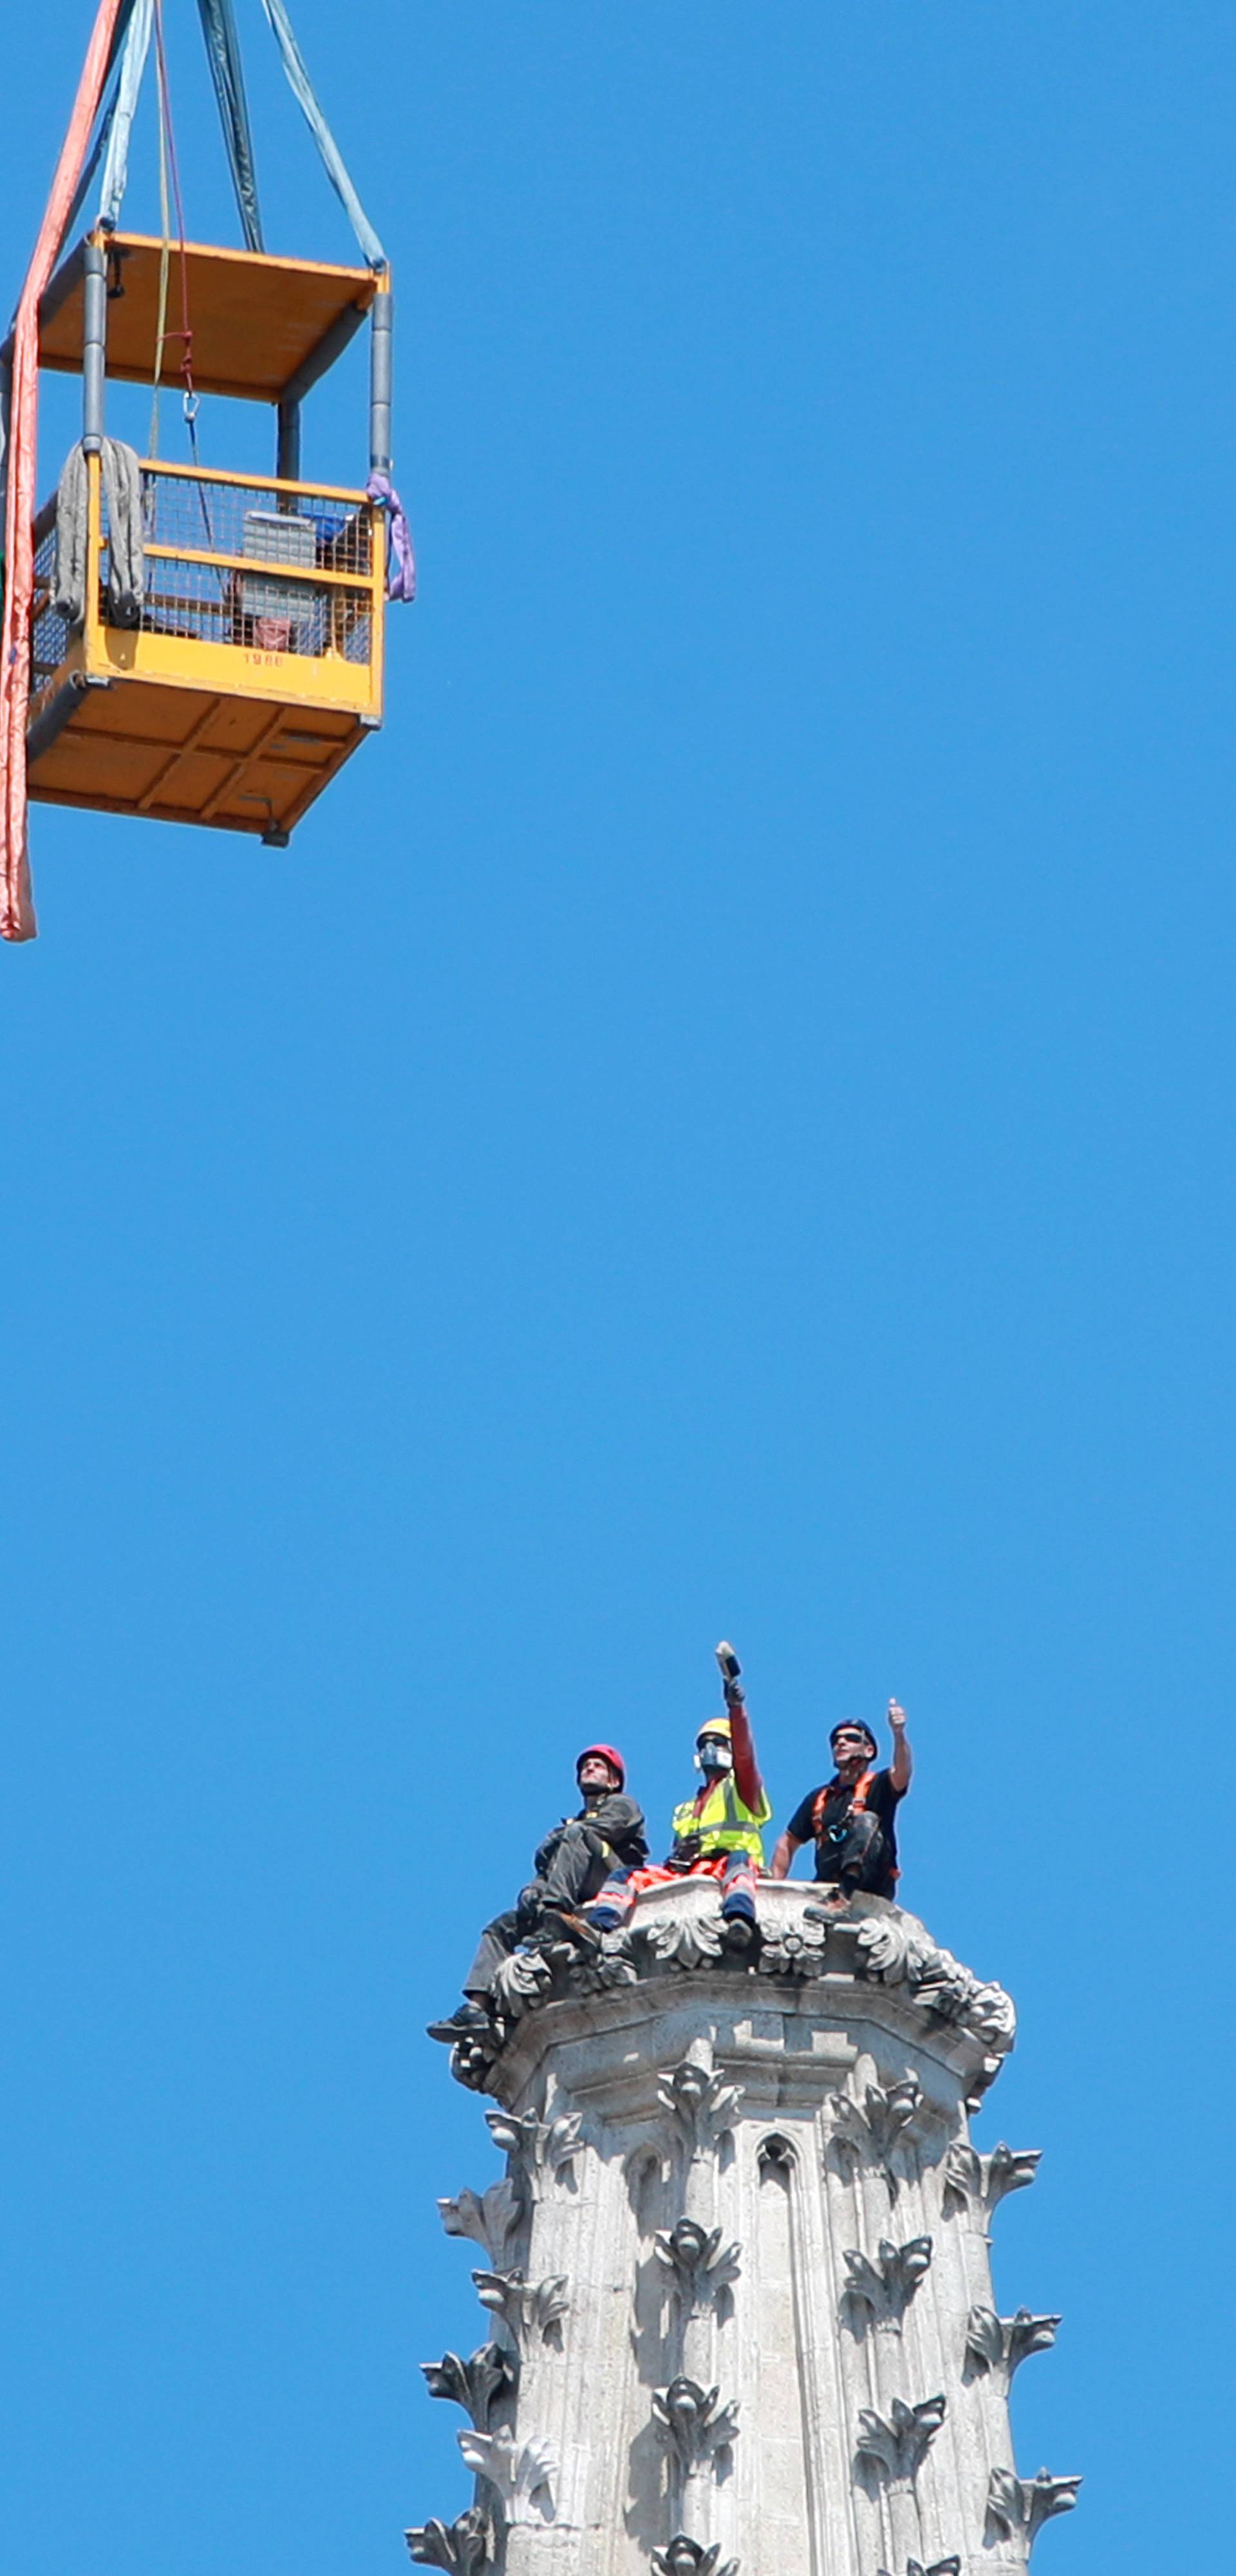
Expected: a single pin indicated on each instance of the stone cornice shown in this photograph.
(862, 1961)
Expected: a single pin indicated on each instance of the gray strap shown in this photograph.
(227, 73)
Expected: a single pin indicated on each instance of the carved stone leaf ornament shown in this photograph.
(517, 2471)
(984, 2181)
(899, 2441)
(595, 1972)
(478, 2385)
(689, 2558)
(529, 2308)
(461, 2547)
(883, 1946)
(697, 2262)
(701, 2105)
(870, 2130)
(685, 1941)
(887, 2286)
(1017, 2508)
(994, 2342)
(894, 1948)
(472, 2061)
(693, 2423)
(490, 2217)
(939, 2567)
(520, 1982)
(539, 2146)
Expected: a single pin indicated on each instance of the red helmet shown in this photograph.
(609, 1753)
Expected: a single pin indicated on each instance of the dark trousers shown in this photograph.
(862, 1859)
(575, 1872)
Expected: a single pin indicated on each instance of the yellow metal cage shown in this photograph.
(251, 666)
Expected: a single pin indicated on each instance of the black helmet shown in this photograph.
(854, 1726)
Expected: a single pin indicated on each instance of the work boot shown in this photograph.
(739, 1936)
(576, 1926)
(468, 2021)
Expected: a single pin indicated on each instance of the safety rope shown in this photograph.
(165, 262)
(169, 167)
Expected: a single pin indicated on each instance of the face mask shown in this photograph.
(713, 1756)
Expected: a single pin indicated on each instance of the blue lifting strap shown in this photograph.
(132, 66)
(332, 159)
(99, 146)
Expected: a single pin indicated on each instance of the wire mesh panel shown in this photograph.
(299, 609)
(309, 533)
(270, 568)
(49, 631)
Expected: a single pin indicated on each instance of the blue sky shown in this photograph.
(720, 1122)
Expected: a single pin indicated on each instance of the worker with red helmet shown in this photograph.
(717, 1833)
(574, 1860)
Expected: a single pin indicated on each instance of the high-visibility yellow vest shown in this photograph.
(723, 1824)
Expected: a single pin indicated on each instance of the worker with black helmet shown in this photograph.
(574, 1860)
(852, 1818)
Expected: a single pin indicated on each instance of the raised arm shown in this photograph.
(747, 1779)
(901, 1768)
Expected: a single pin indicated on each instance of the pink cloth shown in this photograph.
(16, 896)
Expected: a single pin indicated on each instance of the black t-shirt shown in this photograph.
(881, 1801)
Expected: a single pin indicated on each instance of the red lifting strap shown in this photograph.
(16, 897)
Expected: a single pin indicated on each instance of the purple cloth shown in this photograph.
(401, 562)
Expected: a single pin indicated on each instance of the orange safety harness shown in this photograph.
(858, 1803)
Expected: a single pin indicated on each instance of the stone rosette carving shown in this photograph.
(693, 2422)
(885, 2287)
(482, 2385)
(689, 2558)
(701, 2105)
(519, 2472)
(462, 2547)
(538, 2146)
(491, 2218)
(979, 2182)
(1017, 2508)
(529, 2308)
(698, 2264)
(797, 1951)
(1003, 2343)
(898, 2442)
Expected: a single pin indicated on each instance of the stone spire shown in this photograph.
(736, 2283)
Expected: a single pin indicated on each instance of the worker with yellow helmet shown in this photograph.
(717, 1833)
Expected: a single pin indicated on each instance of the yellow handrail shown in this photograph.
(321, 576)
(256, 482)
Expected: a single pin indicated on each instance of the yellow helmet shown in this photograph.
(715, 1730)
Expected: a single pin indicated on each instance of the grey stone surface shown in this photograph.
(739, 2264)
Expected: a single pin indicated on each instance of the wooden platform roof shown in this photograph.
(263, 329)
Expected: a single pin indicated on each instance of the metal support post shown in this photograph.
(380, 379)
(287, 460)
(94, 348)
